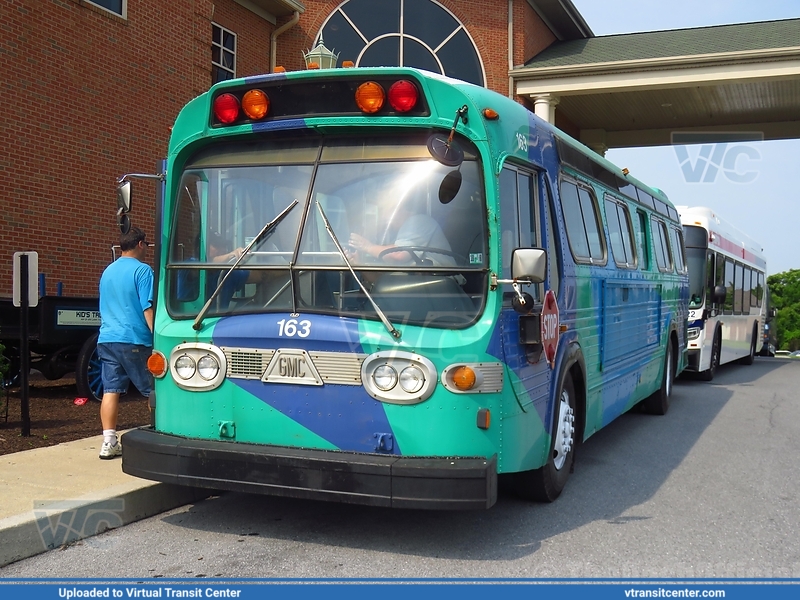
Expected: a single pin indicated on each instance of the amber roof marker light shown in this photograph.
(255, 104)
(370, 97)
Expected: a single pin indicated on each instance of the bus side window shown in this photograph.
(641, 240)
(620, 233)
(746, 283)
(737, 298)
(583, 229)
(728, 307)
(679, 251)
(661, 244)
(517, 221)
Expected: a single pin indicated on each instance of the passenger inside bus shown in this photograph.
(217, 252)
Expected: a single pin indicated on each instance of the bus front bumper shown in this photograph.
(372, 479)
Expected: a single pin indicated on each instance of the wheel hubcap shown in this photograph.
(564, 433)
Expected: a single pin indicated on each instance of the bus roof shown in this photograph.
(724, 236)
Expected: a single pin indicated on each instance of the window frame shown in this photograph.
(123, 8)
(223, 49)
(631, 245)
(598, 221)
(663, 235)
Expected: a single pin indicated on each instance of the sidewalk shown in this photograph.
(56, 495)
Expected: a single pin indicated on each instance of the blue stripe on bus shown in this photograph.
(345, 415)
(278, 125)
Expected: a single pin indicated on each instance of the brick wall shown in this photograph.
(88, 96)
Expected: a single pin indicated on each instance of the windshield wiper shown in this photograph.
(386, 322)
(264, 233)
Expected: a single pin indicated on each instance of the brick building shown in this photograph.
(90, 89)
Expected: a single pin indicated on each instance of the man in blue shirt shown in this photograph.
(126, 332)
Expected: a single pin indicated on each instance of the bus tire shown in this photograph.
(750, 358)
(88, 375)
(546, 483)
(658, 403)
(716, 350)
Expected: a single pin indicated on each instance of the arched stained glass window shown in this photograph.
(408, 33)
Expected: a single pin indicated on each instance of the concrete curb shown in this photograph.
(57, 495)
(56, 524)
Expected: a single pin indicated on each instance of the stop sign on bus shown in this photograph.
(550, 328)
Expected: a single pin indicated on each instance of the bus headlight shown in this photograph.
(412, 379)
(693, 333)
(417, 377)
(185, 366)
(208, 367)
(385, 378)
(197, 367)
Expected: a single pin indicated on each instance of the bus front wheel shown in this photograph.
(546, 483)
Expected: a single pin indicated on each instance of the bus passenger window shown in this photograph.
(676, 237)
(661, 244)
(641, 240)
(737, 298)
(583, 229)
(620, 233)
(748, 277)
(728, 306)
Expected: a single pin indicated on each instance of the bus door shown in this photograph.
(520, 224)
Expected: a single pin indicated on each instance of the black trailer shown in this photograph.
(62, 338)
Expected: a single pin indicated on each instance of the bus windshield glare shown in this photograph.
(422, 259)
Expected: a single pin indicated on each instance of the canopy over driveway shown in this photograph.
(728, 82)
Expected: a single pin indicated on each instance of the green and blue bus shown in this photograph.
(386, 287)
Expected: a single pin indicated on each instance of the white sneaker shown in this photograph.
(108, 451)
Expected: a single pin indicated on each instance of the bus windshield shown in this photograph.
(423, 259)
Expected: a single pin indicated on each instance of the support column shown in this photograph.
(544, 106)
(595, 139)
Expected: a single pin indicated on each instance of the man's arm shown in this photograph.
(148, 317)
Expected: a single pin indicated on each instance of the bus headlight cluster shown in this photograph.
(693, 333)
(197, 366)
(398, 377)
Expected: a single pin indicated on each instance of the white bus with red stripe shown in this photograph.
(727, 301)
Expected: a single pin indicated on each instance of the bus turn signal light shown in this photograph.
(484, 418)
(370, 97)
(226, 108)
(464, 378)
(255, 104)
(157, 364)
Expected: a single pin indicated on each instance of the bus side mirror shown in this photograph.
(124, 197)
(529, 264)
(124, 206)
(718, 297)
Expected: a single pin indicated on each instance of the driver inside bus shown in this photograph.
(417, 230)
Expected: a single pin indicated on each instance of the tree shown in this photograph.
(784, 290)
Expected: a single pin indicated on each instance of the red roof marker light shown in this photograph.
(403, 95)
(226, 108)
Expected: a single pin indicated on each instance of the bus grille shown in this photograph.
(341, 368)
